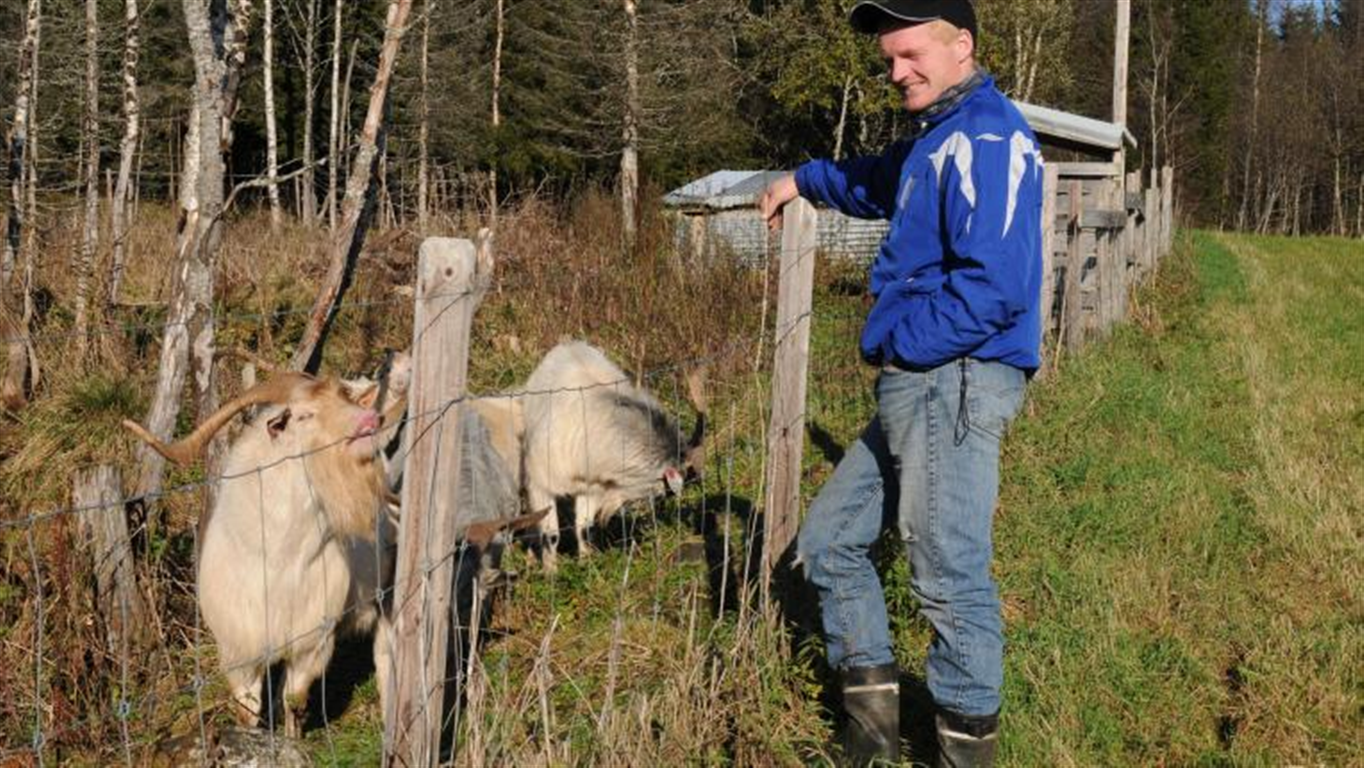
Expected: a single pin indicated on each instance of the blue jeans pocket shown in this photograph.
(994, 396)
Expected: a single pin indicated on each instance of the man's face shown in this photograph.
(926, 59)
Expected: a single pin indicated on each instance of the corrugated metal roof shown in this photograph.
(722, 190)
(1071, 127)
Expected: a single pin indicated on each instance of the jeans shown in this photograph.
(929, 461)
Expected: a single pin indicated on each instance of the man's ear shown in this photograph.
(966, 45)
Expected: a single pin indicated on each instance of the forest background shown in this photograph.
(570, 119)
(1255, 103)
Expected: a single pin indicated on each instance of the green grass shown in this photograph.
(1179, 545)
(1180, 541)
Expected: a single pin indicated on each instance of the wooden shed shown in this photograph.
(718, 214)
(1095, 241)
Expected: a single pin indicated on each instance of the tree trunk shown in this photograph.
(424, 129)
(271, 130)
(333, 163)
(498, 19)
(629, 156)
(309, 202)
(1244, 210)
(188, 339)
(15, 329)
(1338, 223)
(842, 118)
(128, 148)
(1033, 59)
(32, 140)
(17, 145)
(1359, 209)
(85, 266)
(349, 238)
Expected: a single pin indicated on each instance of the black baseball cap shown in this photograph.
(869, 16)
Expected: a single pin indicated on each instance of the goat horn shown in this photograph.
(185, 450)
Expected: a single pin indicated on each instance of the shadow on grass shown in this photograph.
(825, 442)
(352, 665)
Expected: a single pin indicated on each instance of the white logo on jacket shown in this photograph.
(958, 147)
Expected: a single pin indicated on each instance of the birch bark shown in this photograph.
(127, 149)
(349, 237)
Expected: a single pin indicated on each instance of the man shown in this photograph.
(955, 329)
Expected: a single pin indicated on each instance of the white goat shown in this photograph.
(295, 546)
(592, 435)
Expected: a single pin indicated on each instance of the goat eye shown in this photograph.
(279, 423)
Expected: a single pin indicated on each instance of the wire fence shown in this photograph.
(120, 652)
(173, 680)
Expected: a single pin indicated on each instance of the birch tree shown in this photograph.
(85, 264)
(333, 165)
(127, 148)
(1021, 39)
(499, 21)
(309, 180)
(349, 238)
(424, 129)
(14, 329)
(217, 31)
(271, 137)
(629, 156)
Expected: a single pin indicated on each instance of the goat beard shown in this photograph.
(351, 492)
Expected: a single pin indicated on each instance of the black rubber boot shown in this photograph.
(871, 699)
(966, 741)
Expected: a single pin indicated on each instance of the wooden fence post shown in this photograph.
(1150, 246)
(1115, 294)
(786, 430)
(451, 280)
(98, 494)
(1167, 209)
(1136, 226)
(1051, 180)
(1074, 312)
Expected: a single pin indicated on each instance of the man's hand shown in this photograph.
(777, 194)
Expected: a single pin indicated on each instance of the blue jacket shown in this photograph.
(960, 271)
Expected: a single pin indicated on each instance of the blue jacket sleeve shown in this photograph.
(863, 187)
(991, 192)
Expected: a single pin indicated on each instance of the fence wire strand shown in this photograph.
(467, 673)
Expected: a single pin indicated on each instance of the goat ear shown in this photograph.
(279, 423)
(368, 397)
(673, 480)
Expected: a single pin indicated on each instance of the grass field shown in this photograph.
(1181, 539)
(1179, 542)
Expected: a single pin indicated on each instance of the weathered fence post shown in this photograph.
(1051, 179)
(1132, 198)
(786, 430)
(1072, 317)
(1114, 259)
(451, 280)
(98, 495)
(1151, 242)
(1167, 209)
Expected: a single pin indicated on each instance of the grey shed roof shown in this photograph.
(722, 190)
(1071, 127)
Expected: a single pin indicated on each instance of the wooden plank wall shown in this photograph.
(1108, 233)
